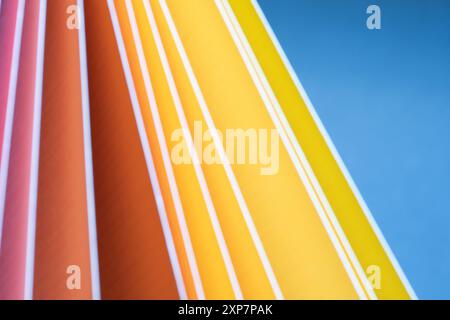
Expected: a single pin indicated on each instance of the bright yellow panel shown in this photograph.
(348, 209)
(304, 258)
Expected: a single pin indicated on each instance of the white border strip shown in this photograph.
(196, 162)
(147, 153)
(35, 147)
(229, 172)
(333, 150)
(295, 149)
(87, 139)
(10, 107)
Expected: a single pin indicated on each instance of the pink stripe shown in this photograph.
(13, 245)
(8, 17)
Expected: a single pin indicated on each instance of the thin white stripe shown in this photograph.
(196, 162)
(147, 152)
(302, 158)
(333, 149)
(10, 107)
(160, 200)
(87, 139)
(299, 152)
(229, 172)
(31, 232)
(297, 161)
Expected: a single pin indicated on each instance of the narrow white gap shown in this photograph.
(153, 173)
(229, 14)
(229, 172)
(196, 162)
(35, 146)
(87, 139)
(147, 153)
(10, 107)
(296, 161)
(299, 152)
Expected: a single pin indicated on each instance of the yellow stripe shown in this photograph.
(296, 152)
(163, 176)
(349, 211)
(213, 272)
(303, 257)
(249, 268)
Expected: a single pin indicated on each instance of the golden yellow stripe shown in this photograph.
(304, 259)
(209, 256)
(249, 267)
(166, 190)
(296, 153)
(349, 211)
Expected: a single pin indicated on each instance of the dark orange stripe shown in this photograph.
(62, 229)
(134, 263)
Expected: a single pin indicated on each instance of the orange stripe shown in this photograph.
(62, 229)
(134, 263)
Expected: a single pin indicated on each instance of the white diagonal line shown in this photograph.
(298, 162)
(35, 146)
(150, 164)
(10, 108)
(224, 159)
(196, 162)
(87, 139)
(333, 150)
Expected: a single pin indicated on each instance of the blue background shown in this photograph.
(384, 98)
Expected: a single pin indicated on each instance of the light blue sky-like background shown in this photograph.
(384, 98)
